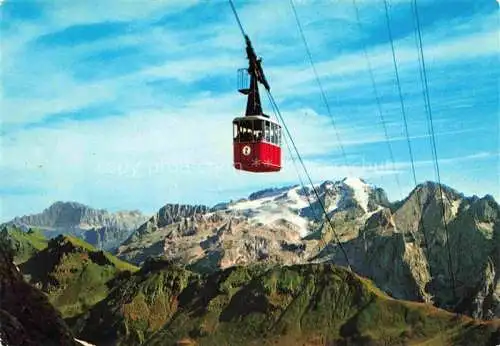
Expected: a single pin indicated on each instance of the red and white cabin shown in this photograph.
(256, 144)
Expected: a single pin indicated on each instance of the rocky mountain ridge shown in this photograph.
(281, 217)
(100, 228)
(402, 246)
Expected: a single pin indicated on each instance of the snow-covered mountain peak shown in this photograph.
(354, 181)
(294, 203)
(361, 190)
(273, 205)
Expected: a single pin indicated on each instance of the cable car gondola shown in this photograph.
(256, 137)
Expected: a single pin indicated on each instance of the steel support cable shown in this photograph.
(297, 170)
(323, 94)
(429, 109)
(294, 163)
(292, 156)
(377, 100)
(276, 108)
(337, 238)
(237, 18)
(421, 63)
(417, 192)
(290, 151)
(401, 101)
(421, 76)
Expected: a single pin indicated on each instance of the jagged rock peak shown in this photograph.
(99, 227)
(433, 188)
(269, 192)
(73, 214)
(167, 215)
(61, 214)
(171, 213)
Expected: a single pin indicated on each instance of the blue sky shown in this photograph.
(128, 104)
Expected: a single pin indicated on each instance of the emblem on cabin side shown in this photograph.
(246, 150)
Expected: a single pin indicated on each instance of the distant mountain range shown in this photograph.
(401, 246)
(98, 227)
(261, 270)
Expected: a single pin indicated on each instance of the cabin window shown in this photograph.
(268, 131)
(258, 131)
(235, 132)
(278, 135)
(245, 132)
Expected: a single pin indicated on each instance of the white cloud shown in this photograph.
(288, 79)
(65, 94)
(191, 69)
(147, 153)
(157, 154)
(69, 12)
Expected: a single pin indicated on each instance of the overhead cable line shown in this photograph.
(377, 100)
(421, 76)
(434, 147)
(288, 146)
(237, 18)
(276, 109)
(403, 112)
(322, 91)
(293, 161)
(337, 238)
(400, 93)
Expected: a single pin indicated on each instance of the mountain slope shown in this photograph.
(98, 227)
(73, 273)
(405, 250)
(139, 304)
(401, 246)
(23, 244)
(312, 304)
(26, 316)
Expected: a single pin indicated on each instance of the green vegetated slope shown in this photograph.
(23, 244)
(139, 305)
(26, 316)
(74, 274)
(315, 304)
